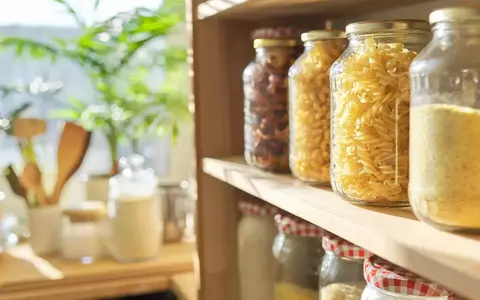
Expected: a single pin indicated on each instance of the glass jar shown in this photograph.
(341, 273)
(370, 111)
(81, 232)
(175, 201)
(309, 105)
(445, 116)
(256, 264)
(298, 249)
(407, 286)
(134, 212)
(265, 87)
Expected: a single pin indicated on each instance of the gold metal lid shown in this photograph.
(259, 43)
(323, 35)
(455, 14)
(89, 211)
(387, 26)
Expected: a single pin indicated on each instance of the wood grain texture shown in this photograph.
(23, 274)
(395, 234)
(184, 286)
(257, 9)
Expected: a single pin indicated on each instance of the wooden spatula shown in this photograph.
(32, 180)
(28, 127)
(72, 148)
(15, 184)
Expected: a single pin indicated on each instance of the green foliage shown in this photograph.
(108, 52)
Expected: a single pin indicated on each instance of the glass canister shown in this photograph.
(386, 281)
(256, 264)
(309, 105)
(265, 87)
(134, 212)
(298, 249)
(444, 185)
(176, 203)
(341, 273)
(370, 92)
(82, 232)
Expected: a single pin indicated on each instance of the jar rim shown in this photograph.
(379, 26)
(456, 13)
(260, 43)
(315, 35)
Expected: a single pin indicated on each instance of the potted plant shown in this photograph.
(117, 54)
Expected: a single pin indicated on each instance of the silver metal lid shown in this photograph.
(322, 35)
(387, 26)
(455, 14)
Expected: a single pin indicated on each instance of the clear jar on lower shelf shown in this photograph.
(309, 105)
(341, 273)
(256, 264)
(370, 111)
(407, 286)
(444, 188)
(298, 249)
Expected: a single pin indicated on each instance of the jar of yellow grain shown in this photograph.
(309, 105)
(370, 111)
(444, 187)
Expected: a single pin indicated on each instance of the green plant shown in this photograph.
(108, 52)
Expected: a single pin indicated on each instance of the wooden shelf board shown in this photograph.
(184, 286)
(249, 9)
(395, 234)
(23, 274)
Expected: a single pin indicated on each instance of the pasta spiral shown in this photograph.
(371, 98)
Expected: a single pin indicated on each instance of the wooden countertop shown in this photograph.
(184, 286)
(23, 275)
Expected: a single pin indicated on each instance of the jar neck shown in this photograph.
(405, 37)
(262, 51)
(469, 29)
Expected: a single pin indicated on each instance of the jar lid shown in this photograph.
(343, 248)
(296, 226)
(289, 33)
(387, 26)
(465, 13)
(392, 278)
(259, 43)
(257, 209)
(89, 211)
(323, 35)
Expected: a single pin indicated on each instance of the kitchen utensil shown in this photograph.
(32, 180)
(28, 127)
(72, 148)
(15, 184)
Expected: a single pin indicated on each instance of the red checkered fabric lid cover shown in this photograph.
(257, 209)
(392, 278)
(343, 248)
(296, 226)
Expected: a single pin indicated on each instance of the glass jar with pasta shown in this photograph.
(298, 249)
(444, 188)
(370, 93)
(265, 87)
(309, 105)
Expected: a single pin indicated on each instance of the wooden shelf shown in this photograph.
(23, 275)
(248, 9)
(184, 286)
(395, 234)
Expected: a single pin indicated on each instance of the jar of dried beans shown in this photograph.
(265, 90)
(298, 249)
(309, 104)
(256, 264)
(386, 281)
(370, 111)
(341, 273)
(444, 187)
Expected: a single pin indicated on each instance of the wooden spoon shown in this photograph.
(72, 148)
(32, 180)
(15, 184)
(28, 127)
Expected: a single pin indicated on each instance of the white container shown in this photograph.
(135, 220)
(45, 224)
(256, 264)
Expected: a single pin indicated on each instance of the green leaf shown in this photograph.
(65, 114)
(72, 12)
(17, 112)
